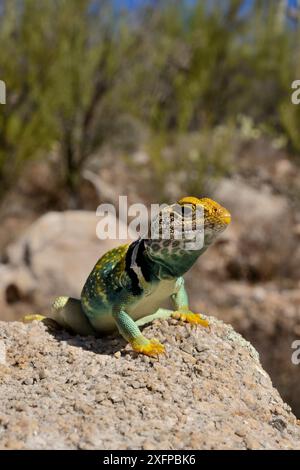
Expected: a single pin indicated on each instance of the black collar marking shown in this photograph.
(136, 289)
(141, 260)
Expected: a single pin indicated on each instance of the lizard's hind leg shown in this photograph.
(68, 313)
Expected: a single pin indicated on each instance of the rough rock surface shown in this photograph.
(268, 317)
(208, 392)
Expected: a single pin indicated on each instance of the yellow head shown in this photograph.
(215, 215)
(190, 218)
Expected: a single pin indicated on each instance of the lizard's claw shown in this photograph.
(150, 347)
(189, 317)
(32, 317)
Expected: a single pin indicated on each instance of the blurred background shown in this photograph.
(155, 100)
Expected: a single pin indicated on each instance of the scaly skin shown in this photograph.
(128, 284)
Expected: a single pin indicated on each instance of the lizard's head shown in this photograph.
(204, 214)
(181, 232)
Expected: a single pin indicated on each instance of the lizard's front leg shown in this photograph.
(181, 303)
(131, 332)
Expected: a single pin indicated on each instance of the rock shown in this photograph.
(222, 399)
(268, 316)
(248, 203)
(261, 235)
(16, 285)
(53, 257)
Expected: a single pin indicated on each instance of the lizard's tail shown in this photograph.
(68, 313)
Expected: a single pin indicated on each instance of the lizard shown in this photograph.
(128, 284)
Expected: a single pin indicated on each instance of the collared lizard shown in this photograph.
(129, 283)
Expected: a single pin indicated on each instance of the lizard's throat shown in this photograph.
(146, 265)
(171, 264)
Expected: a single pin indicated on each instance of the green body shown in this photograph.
(112, 298)
(129, 285)
(115, 297)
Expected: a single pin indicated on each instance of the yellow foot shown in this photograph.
(193, 318)
(150, 347)
(32, 317)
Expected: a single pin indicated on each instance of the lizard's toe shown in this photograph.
(189, 317)
(196, 319)
(151, 347)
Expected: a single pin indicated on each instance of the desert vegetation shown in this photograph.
(82, 76)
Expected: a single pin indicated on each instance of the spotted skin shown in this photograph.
(129, 284)
(105, 282)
